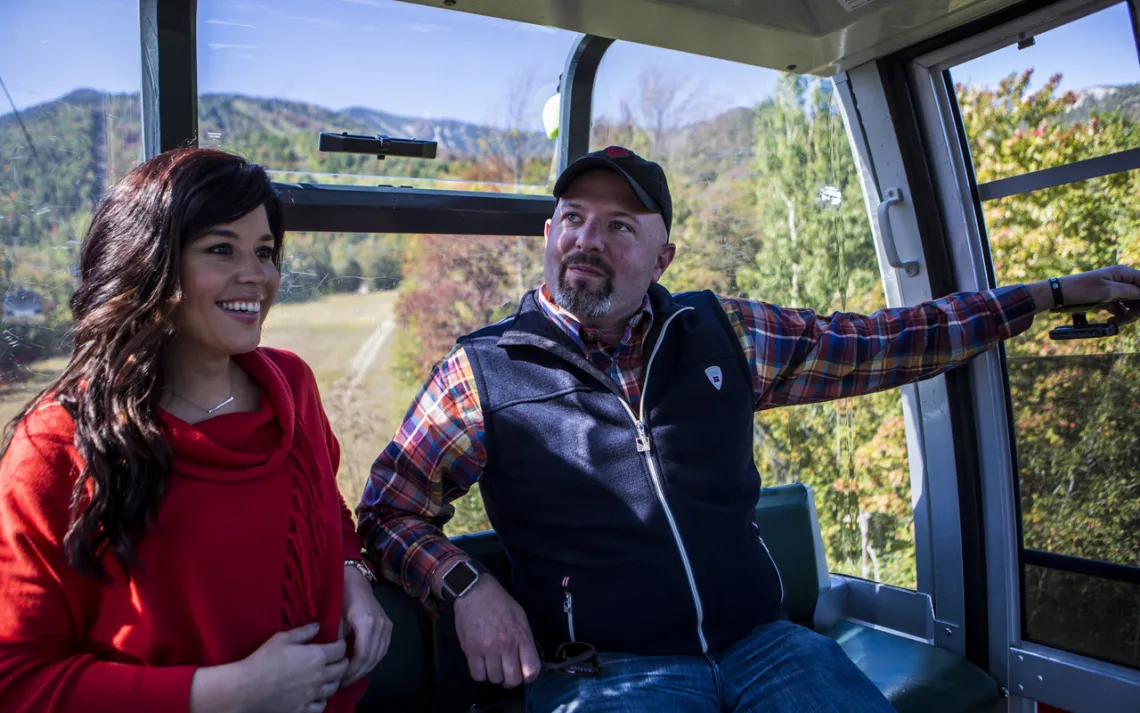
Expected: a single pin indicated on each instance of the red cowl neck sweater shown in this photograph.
(250, 539)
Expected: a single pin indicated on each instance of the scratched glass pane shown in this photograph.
(65, 136)
(272, 76)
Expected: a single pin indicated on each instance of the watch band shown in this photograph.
(363, 567)
(1058, 297)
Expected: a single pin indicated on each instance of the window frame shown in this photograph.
(170, 120)
(1028, 671)
(875, 109)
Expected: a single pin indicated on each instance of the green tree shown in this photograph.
(816, 251)
(1075, 404)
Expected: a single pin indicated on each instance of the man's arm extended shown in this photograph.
(798, 357)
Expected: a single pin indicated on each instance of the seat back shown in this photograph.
(401, 681)
(790, 530)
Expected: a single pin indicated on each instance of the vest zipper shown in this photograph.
(643, 446)
(568, 607)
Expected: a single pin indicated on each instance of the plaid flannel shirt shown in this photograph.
(795, 357)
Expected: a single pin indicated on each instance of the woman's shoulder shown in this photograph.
(41, 456)
(47, 424)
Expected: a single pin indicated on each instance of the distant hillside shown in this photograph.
(222, 116)
(86, 140)
(225, 116)
(1102, 100)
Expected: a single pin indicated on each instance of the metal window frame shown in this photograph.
(953, 576)
(1070, 682)
(1134, 13)
(168, 30)
(1028, 671)
(169, 45)
(387, 209)
(1002, 30)
(874, 109)
(1102, 569)
(1064, 174)
(577, 87)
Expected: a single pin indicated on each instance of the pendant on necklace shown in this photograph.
(212, 410)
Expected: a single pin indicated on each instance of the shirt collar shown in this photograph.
(591, 338)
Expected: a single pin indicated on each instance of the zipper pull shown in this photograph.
(568, 606)
(642, 438)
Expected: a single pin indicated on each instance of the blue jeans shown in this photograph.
(777, 668)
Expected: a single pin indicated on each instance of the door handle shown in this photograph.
(892, 196)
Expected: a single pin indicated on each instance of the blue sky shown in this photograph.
(432, 62)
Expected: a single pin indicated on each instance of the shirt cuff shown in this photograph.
(421, 562)
(1016, 307)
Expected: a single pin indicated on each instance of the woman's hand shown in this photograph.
(287, 674)
(368, 628)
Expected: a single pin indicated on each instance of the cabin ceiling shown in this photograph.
(820, 37)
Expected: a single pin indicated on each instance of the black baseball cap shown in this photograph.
(646, 178)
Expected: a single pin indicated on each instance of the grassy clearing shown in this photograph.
(364, 411)
(14, 396)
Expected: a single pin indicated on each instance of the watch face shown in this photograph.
(460, 577)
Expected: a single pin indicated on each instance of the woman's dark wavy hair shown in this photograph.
(125, 313)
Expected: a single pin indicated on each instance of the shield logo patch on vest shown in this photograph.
(713, 372)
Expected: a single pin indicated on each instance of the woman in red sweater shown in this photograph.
(171, 534)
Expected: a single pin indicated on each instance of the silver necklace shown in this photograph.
(209, 411)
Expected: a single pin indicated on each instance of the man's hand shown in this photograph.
(367, 626)
(495, 635)
(1118, 286)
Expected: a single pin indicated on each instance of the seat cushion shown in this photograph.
(915, 676)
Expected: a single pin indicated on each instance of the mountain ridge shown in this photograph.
(222, 113)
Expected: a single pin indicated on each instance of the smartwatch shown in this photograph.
(460, 579)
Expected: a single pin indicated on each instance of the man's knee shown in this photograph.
(802, 641)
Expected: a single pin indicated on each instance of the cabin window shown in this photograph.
(1031, 117)
(272, 76)
(1078, 83)
(768, 205)
(69, 128)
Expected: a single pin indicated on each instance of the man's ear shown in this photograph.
(664, 259)
(546, 228)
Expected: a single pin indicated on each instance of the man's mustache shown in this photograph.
(589, 259)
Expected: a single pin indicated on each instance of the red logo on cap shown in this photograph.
(617, 152)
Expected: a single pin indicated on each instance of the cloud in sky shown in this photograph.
(372, 3)
(425, 27)
(227, 23)
(321, 22)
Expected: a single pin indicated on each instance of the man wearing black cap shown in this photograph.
(609, 424)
